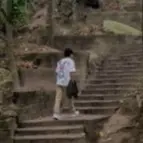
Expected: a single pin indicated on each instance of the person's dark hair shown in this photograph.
(68, 52)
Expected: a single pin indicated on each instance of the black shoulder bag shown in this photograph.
(72, 89)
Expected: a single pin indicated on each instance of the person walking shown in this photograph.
(65, 72)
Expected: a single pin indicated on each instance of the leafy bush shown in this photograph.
(18, 11)
(13, 12)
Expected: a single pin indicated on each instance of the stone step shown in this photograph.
(97, 110)
(103, 91)
(125, 55)
(128, 54)
(114, 70)
(134, 56)
(50, 130)
(113, 76)
(129, 51)
(94, 103)
(122, 70)
(129, 47)
(137, 57)
(124, 67)
(113, 80)
(101, 97)
(117, 74)
(136, 49)
(66, 120)
(121, 66)
(123, 52)
(118, 60)
(108, 90)
(133, 48)
(56, 138)
(124, 60)
(109, 85)
(131, 54)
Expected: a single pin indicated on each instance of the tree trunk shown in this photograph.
(10, 46)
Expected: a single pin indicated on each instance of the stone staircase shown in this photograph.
(100, 98)
(119, 75)
(46, 130)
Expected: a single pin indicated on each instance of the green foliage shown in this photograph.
(13, 12)
(5, 81)
(18, 12)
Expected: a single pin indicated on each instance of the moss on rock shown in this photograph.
(6, 80)
(3, 124)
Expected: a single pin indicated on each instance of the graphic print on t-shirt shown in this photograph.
(61, 72)
(64, 67)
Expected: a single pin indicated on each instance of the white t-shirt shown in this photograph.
(64, 67)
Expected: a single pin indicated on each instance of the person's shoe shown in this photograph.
(56, 117)
(76, 113)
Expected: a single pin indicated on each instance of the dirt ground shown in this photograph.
(123, 127)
